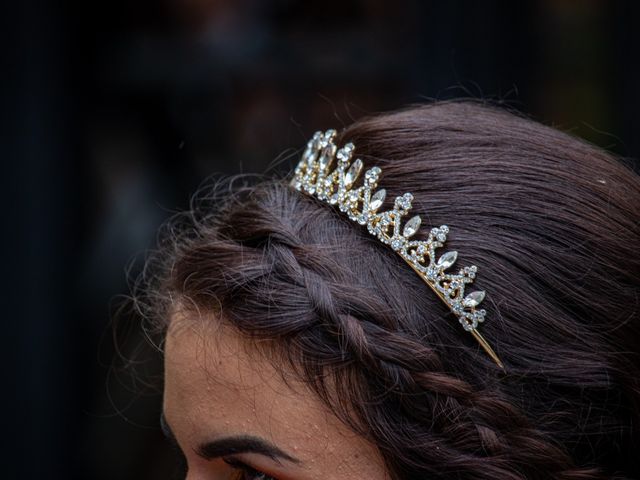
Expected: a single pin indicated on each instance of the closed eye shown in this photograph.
(246, 472)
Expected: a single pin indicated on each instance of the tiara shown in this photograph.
(361, 204)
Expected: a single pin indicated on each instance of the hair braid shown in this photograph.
(373, 343)
(465, 426)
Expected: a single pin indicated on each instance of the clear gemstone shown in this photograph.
(352, 173)
(447, 259)
(330, 134)
(377, 199)
(306, 154)
(396, 243)
(404, 202)
(371, 176)
(412, 226)
(470, 271)
(474, 299)
(432, 273)
(344, 154)
(327, 157)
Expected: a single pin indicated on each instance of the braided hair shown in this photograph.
(553, 224)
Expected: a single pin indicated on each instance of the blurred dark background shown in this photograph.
(114, 112)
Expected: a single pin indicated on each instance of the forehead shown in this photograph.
(216, 386)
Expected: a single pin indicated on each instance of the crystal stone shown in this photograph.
(432, 273)
(330, 134)
(371, 177)
(327, 156)
(447, 259)
(396, 243)
(474, 299)
(377, 199)
(344, 154)
(352, 173)
(404, 202)
(412, 226)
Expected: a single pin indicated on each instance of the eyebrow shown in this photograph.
(233, 445)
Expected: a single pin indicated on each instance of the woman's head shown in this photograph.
(286, 320)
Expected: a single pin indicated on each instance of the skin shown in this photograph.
(216, 389)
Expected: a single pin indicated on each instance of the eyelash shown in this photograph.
(246, 472)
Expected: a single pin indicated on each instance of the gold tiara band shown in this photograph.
(361, 204)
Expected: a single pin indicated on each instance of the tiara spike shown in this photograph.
(412, 226)
(474, 298)
(361, 204)
(447, 259)
(352, 174)
(377, 200)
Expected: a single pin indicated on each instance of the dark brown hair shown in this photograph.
(553, 224)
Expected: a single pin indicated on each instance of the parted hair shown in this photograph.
(553, 224)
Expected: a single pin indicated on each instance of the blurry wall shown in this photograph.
(114, 112)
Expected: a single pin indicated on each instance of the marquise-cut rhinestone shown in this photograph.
(447, 259)
(352, 174)
(412, 226)
(377, 200)
(473, 299)
(327, 157)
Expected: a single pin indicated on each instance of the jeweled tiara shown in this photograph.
(361, 204)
